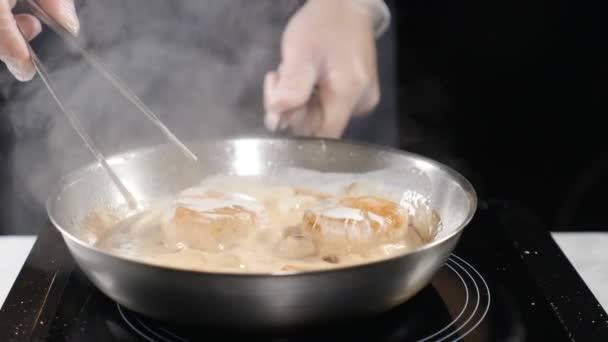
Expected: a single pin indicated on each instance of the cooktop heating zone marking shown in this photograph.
(477, 299)
(479, 296)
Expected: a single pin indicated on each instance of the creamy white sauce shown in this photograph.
(272, 247)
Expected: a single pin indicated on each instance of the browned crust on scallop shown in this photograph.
(210, 229)
(393, 214)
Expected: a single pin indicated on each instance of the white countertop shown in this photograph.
(588, 252)
(13, 252)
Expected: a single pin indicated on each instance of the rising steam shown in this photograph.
(198, 64)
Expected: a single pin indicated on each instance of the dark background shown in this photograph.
(512, 94)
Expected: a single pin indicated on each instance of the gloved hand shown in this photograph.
(328, 47)
(13, 49)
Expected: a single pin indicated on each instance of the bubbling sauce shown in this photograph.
(249, 225)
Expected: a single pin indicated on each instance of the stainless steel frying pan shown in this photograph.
(259, 301)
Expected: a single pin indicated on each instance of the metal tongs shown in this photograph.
(114, 80)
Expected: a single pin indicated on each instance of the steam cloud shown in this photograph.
(198, 64)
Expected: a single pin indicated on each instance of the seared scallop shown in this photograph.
(354, 224)
(211, 220)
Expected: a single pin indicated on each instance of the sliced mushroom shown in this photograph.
(292, 268)
(295, 245)
(332, 259)
(426, 222)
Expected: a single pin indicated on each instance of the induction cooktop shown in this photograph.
(506, 281)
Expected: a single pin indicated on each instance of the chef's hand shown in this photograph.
(13, 48)
(328, 45)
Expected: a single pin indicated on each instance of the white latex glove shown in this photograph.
(13, 48)
(328, 45)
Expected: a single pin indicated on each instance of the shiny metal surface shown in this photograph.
(255, 300)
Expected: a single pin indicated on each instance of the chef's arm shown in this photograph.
(328, 71)
(13, 48)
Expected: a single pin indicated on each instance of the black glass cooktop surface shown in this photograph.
(506, 281)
